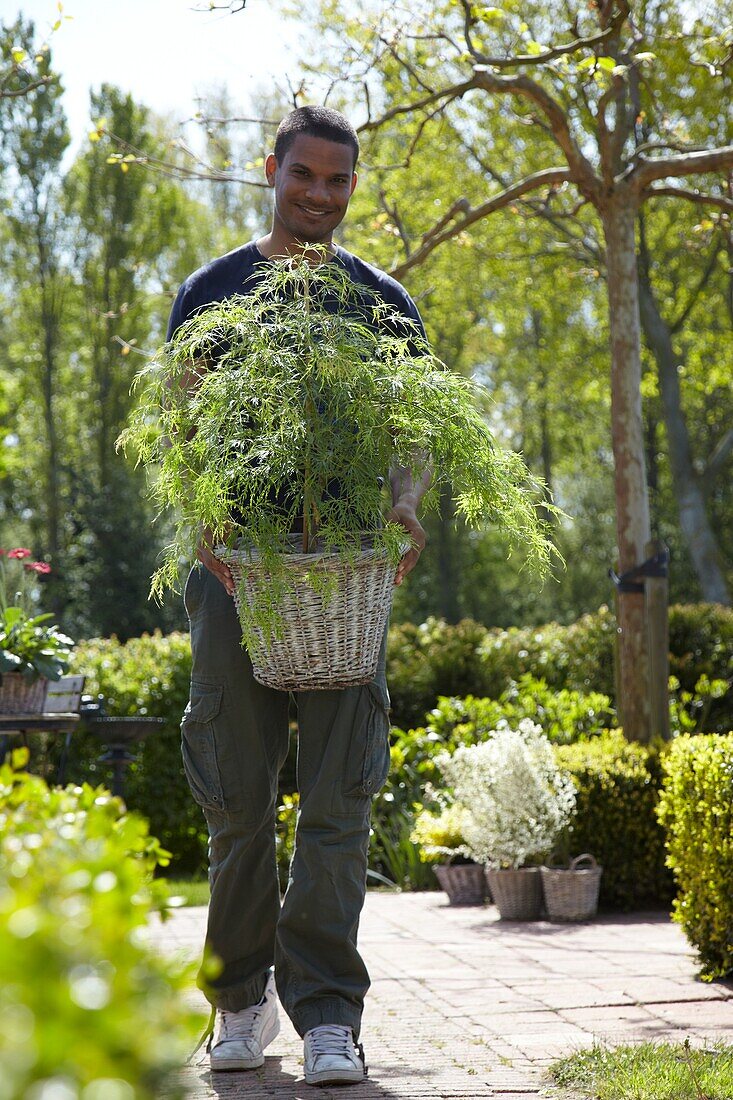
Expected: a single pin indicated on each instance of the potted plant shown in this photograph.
(270, 421)
(440, 839)
(32, 651)
(517, 802)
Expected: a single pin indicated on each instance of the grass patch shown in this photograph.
(648, 1071)
(195, 891)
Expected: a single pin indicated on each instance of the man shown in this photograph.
(235, 731)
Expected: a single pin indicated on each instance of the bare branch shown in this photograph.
(701, 284)
(210, 120)
(179, 171)
(717, 461)
(440, 232)
(444, 95)
(692, 196)
(646, 171)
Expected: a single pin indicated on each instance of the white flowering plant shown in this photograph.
(517, 801)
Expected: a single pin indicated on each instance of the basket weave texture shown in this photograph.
(464, 883)
(571, 893)
(326, 642)
(20, 696)
(517, 892)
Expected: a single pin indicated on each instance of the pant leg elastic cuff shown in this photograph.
(234, 999)
(326, 1010)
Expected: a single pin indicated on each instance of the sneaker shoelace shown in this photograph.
(335, 1040)
(332, 1040)
(240, 1025)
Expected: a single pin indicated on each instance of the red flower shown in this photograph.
(37, 566)
(19, 552)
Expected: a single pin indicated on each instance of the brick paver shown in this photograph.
(465, 1006)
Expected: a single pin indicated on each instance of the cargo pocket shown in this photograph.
(198, 746)
(376, 750)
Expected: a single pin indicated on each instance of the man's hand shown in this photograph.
(403, 512)
(220, 570)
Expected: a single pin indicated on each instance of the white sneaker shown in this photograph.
(332, 1057)
(240, 1038)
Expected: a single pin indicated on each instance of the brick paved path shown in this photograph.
(464, 1006)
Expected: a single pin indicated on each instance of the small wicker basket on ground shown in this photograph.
(571, 893)
(21, 696)
(464, 883)
(517, 892)
(329, 641)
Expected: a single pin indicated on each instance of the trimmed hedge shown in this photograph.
(618, 786)
(436, 659)
(87, 1008)
(696, 809)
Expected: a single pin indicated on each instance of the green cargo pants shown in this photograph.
(234, 742)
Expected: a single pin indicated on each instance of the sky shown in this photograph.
(162, 51)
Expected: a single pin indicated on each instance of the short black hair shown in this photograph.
(321, 122)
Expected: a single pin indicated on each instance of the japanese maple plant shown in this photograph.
(283, 410)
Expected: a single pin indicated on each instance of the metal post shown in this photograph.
(656, 607)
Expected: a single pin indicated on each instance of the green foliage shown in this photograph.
(76, 890)
(148, 675)
(437, 659)
(303, 397)
(440, 834)
(565, 716)
(701, 646)
(432, 659)
(696, 809)
(617, 786)
(28, 643)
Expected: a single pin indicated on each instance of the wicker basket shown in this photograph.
(464, 883)
(21, 696)
(571, 893)
(516, 892)
(326, 642)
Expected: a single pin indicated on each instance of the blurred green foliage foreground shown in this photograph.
(87, 1010)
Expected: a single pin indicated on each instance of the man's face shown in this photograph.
(313, 185)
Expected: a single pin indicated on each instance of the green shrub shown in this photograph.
(696, 809)
(701, 646)
(148, 675)
(425, 662)
(429, 660)
(565, 716)
(618, 789)
(84, 1002)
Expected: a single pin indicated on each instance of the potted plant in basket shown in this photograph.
(270, 421)
(32, 651)
(441, 842)
(517, 802)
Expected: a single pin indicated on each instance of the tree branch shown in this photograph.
(646, 171)
(717, 461)
(444, 95)
(692, 196)
(702, 283)
(582, 173)
(546, 55)
(440, 232)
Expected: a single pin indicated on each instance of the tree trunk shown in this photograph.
(696, 528)
(632, 500)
